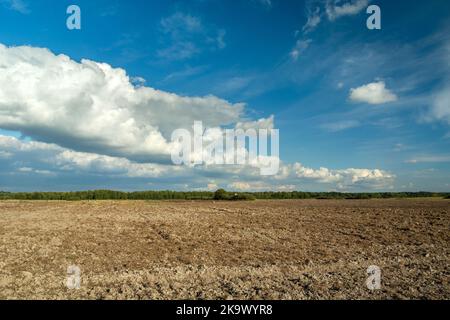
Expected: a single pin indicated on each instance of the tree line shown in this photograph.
(207, 195)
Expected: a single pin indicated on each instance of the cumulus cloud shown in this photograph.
(56, 159)
(372, 93)
(245, 186)
(345, 178)
(339, 8)
(293, 176)
(259, 186)
(92, 107)
(322, 174)
(14, 144)
(89, 117)
(263, 123)
(50, 159)
(69, 160)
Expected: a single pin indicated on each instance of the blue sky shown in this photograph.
(357, 109)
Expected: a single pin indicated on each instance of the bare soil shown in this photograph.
(300, 249)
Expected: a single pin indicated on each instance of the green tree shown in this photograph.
(221, 194)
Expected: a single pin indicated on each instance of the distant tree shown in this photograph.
(221, 194)
(242, 197)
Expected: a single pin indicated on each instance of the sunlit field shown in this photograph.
(286, 249)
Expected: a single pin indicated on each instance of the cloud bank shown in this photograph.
(88, 118)
(93, 107)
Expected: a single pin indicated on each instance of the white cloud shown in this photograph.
(180, 23)
(179, 50)
(220, 39)
(292, 176)
(53, 160)
(440, 102)
(340, 125)
(245, 186)
(16, 5)
(232, 85)
(183, 74)
(333, 9)
(69, 160)
(338, 8)
(314, 18)
(345, 178)
(366, 175)
(90, 118)
(5, 155)
(322, 174)
(259, 186)
(11, 143)
(92, 107)
(372, 93)
(440, 109)
(429, 159)
(187, 36)
(28, 170)
(299, 48)
(212, 187)
(264, 123)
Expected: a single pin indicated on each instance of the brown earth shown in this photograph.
(302, 249)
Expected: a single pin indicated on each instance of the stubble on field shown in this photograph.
(299, 249)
